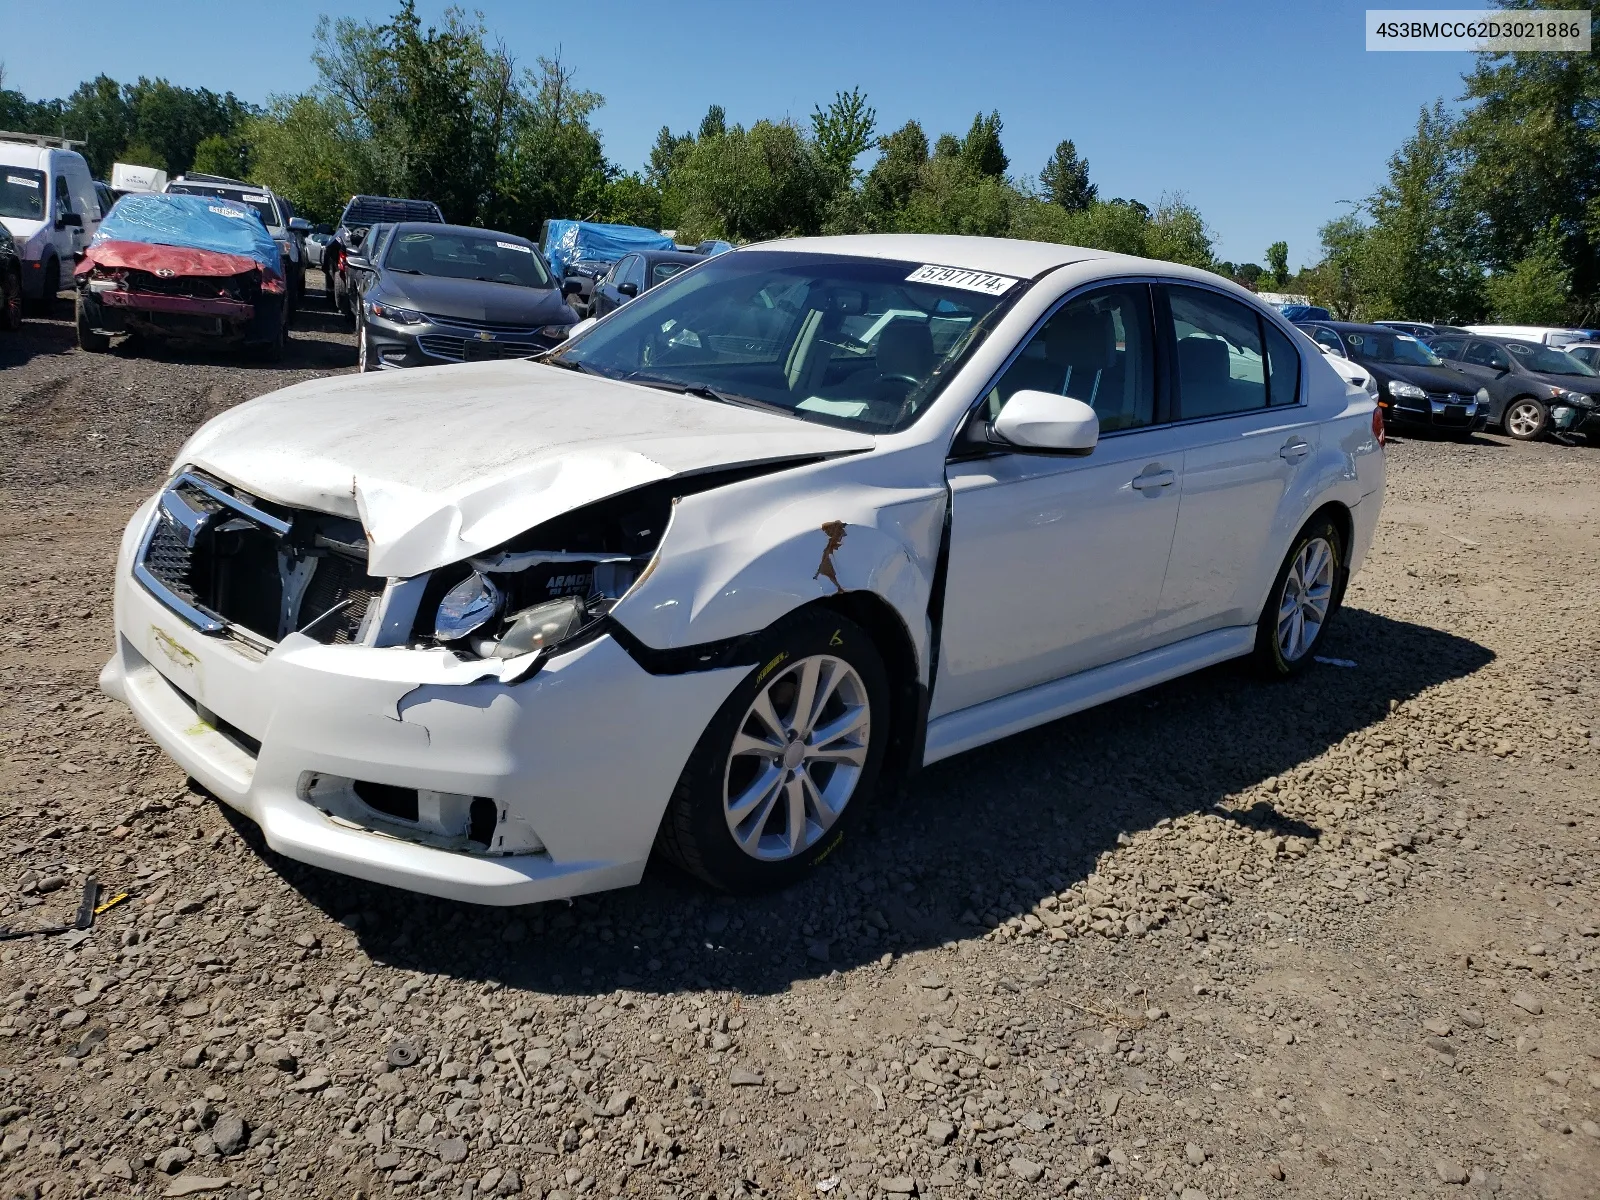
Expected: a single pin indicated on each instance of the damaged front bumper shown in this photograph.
(410, 767)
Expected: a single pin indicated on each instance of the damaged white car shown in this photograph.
(780, 531)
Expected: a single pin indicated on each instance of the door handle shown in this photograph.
(1154, 481)
(1294, 450)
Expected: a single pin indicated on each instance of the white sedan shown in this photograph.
(808, 516)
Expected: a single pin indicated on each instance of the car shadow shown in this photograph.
(988, 832)
(38, 336)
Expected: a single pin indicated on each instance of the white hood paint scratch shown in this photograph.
(442, 463)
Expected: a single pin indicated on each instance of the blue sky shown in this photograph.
(1268, 116)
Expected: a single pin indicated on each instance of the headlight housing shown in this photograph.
(1482, 396)
(467, 608)
(399, 316)
(1409, 391)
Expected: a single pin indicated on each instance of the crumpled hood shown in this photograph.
(474, 300)
(440, 463)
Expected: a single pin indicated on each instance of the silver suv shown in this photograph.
(276, 213)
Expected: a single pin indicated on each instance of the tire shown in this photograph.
(1282, 647)
(11, 304)
(1526, 419)
(364, 363)
(698, 832)
(46, 303)
(88, 339)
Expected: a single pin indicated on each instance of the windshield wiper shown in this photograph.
(567, 364)
(706, 392)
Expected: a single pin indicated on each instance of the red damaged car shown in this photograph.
(193, 269)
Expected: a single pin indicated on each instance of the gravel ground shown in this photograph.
(1331, 938)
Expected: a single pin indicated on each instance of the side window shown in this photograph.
(1327, 337)
(1097, 349)
(63, 196)
(1283, 367)
(1448, 347)
(1221, 367)
(619, 270)
(1482, 354)
(635, 273)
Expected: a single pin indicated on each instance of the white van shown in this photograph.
(48, 203)
(1545, 335)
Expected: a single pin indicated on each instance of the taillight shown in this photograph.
(1377, 426)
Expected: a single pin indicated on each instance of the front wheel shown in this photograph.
(88, 339)
(789, 760)
(1526, 418)
(1303, 600)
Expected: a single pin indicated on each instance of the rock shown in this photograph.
(899, 1185)
(1273, 1169)
(1590, 1129)
(818, 949)
(1110, 1101)
(617, 1104)
(1450, 1172)
(510, 1183)
(1484, 1181)
(276, 1056)
(1194, 1154)
(940, 1132)
(1527, 1003)
(314, 1081)
(386, 1160)
(192, 1057)
(453, 1150)
(1437, 1026)
(745, 1077)
(173, 1159)
(230, 1134)
(117, 1168)
(193, 1185)
(1471, 1018)
(1192, 1194)
(1026, 1170)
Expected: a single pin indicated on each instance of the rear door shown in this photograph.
(1246, 433)
(1056, 564)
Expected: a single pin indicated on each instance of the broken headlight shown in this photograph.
(466, 608)
(540, 627)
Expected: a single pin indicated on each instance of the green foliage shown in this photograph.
(888, 186)
(1339, 281)
(1277, 264)
(298, 149)
(842, 132)
(981, 149)
(746, 185)
(1065, 179)
(219, 155)
(1535, 290)
(951, 196)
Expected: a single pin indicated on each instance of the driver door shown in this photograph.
(1056, 564)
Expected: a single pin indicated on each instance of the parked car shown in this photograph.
(1532, 388)
(1546, 335)
(1416, 388)
(1588, 353)
(580, 252)
(636, 273)
(10, 281)
(721, 567)
(183, 268)
(316, 242)
(452, 293)
(275, 212)
(1353, 373)
(1304, 312)
(1422, 330)
(360, 215)
(47, 202)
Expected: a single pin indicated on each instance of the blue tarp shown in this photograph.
(197, 222)
(565, 242)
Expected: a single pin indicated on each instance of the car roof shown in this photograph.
(1354, 326)
(683, 256)
(1002, 256)
(436, 227)
(370, 210)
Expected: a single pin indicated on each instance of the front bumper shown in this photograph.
(585, 753)
(1571, 418)
(428, 344)
(1433, 414)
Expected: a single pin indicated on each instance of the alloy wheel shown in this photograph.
(1524, 419)
(1307, 597)
(797, 757)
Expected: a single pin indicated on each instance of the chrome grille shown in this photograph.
(473, 325)
(456, 349)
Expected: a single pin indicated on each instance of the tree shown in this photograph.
(219, 155)
(981, 148)
(889, 184)
(1065, 179)
(1277, 264)
(98, 112)
(1536, 290)
(1339, 281)
(948, 146)
(299, 149)
(1177, 233)
(714, 124)
(842, 132)
(746, 185)
(951, 196)
(553, 164)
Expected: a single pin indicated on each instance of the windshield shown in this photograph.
(1551, 362)
(1400, 349)
(859, 343)
(257, 202)
(492, 258)
(22, 193)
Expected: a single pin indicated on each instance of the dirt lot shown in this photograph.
(1331, 938)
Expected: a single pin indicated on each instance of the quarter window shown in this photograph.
(63, 196)
(1220, 365)
(1283, 367)
(1095, 349)
(1327, 338)
(1482, 354)
(1447, 347)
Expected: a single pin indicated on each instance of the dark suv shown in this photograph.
(1416, 387)
(360, 215)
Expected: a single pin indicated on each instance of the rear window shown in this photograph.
(22, 193)
(257, 202)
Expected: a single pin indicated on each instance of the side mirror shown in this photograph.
(571, 287)
(628, 289)
(357, 262)
(69, 221)
(1044, 423)
(582, 326)
(299, 225)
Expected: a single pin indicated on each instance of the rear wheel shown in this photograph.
(88, 339)
(1526, 418)
(1303, 600)
(11, 303)
(787, 763)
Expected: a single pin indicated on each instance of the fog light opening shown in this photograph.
(397, 802)
(482, 818)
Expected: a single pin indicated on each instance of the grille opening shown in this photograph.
(397, 802)
(482, 818)
(235, 570)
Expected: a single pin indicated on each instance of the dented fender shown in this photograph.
(735, 560)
